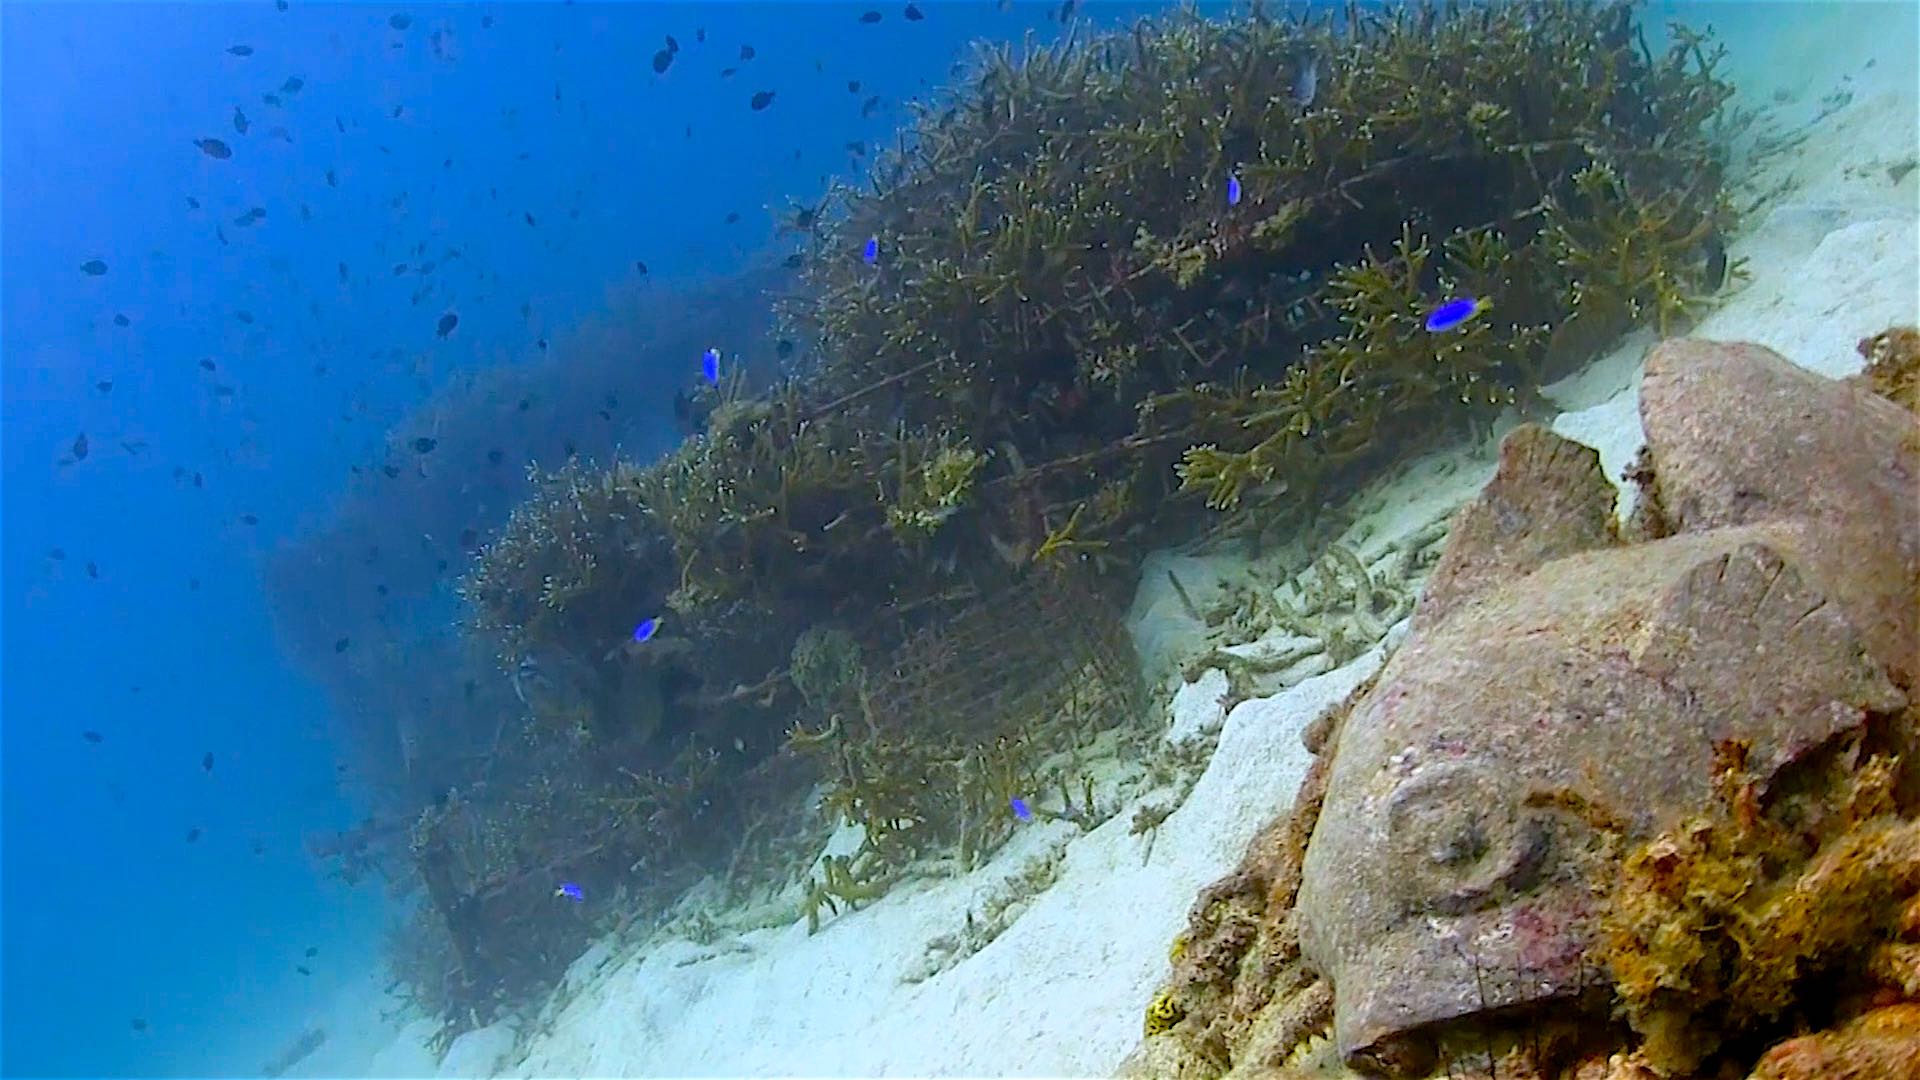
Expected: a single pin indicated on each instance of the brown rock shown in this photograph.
(1882, 1045)
(1477, 790)
(1737, 434)
(1548, 498)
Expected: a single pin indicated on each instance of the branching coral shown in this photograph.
(1640, 256)
(1062, 225)
(933, 488)
(1065, 306)
(1326, 412)
(573, 565)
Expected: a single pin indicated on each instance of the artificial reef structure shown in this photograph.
(1628, 802)
(1104, 295)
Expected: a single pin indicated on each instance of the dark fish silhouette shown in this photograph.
(913, 13)
(340, 644)
(240, 50)
(206, 761)
(1716, 268)
(214, 148)
(746, 52)
(870, 17)
(239, 120)
(662, 60)
(1306, 81)
(400, 20)
(79, 448)
(446, 324)
(93, 267)
(424, 445)
(193, 834)
(761, 100)
(93, 736)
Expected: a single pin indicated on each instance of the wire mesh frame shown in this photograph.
(1017, 655)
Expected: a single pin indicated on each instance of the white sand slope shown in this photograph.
(1833, 248)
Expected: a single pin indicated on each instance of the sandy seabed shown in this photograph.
(1831, 243)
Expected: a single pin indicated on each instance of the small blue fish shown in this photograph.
(1233, 190)
(1020, 808)
(1454, 313)
(571, 891)
(710, 365)
(646, 628)
(871, 253)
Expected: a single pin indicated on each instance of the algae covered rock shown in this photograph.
(1563, 696)
(1882, 1043)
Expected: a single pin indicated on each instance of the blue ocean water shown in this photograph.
(289, 299)
(238, 379)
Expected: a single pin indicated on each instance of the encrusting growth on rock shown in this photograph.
(1671, 783)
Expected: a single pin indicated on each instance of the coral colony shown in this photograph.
(903, 560)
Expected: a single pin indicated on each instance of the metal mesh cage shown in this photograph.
(1005, 659)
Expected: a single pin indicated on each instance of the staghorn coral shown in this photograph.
(573, 564)
(1064, 307)
(933, 489)
(1077, 286)
(841, 883)
(1637, 255)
